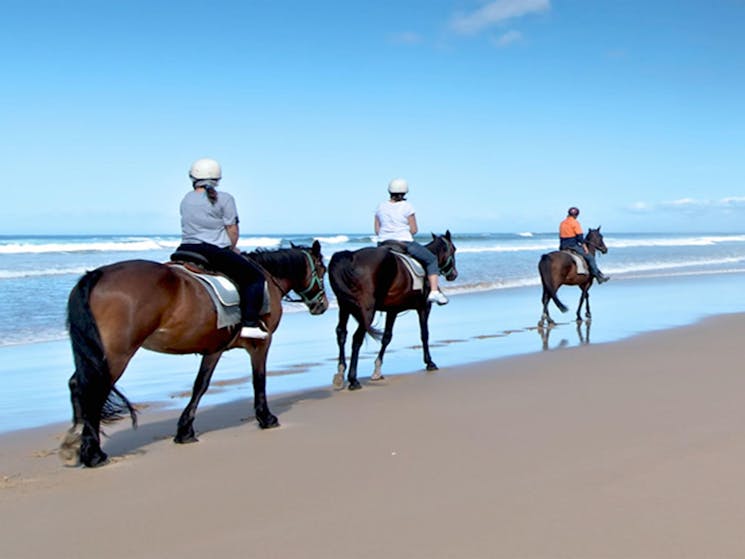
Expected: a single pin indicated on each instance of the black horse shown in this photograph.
(558, 268)
(374, 279)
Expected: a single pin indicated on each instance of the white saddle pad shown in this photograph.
(579, 261)
(415, 268)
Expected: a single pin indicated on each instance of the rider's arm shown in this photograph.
(377, 225)
(233, 234)
(413, 227)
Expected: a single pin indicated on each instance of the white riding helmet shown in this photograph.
(398, 186)
(205, 169)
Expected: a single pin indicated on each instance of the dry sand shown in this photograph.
(634, 449)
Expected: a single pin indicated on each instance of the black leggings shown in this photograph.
(244, 272)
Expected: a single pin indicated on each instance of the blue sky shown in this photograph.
(500, 114)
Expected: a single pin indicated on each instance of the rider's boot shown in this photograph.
(437, 297)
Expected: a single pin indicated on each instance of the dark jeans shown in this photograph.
(579, 249)
(241, 270)
(421, 253)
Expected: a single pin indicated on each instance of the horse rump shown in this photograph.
(346, 283)
(544, 268)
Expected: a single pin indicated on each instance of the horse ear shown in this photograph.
(292, 245)
(434, 236)
(447, 234)
(599, 226)
(316, 248)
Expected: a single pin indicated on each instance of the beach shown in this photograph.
(632, 448)
(615, 438)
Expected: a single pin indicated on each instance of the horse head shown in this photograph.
(442, 246)
(594, 239)
(312, 292)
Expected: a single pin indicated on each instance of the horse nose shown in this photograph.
(320, 307)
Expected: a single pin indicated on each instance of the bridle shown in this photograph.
(592, 243)
(307, 295)
(449, 264)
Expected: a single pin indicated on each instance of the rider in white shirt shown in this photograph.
(395, 220)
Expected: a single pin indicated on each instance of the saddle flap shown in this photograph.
(579, 261)
(415, 269)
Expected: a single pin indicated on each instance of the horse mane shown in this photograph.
(281, 261)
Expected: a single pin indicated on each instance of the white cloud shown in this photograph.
(734, 201)
(406, 38)
(686, 205)
(496, 12)
(508, 38)
(640, 207)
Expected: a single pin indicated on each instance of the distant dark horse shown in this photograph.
(373, 279)
(558, 268)
(117, 309)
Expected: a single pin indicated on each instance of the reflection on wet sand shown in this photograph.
(582, 329)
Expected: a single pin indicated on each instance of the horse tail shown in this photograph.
(544, 267)
(344, 280)
(90, 384)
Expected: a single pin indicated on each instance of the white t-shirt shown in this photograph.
(394, 221)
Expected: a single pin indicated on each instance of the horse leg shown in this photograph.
(357, 338)
(258, 365)
(588, 314)
(390, 319)
(545, 317)
(582, 300)
(185, 430)
(89, 391)
(82, 443)
(424, 330)
(341, 340)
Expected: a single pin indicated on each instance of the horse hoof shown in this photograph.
(96, 460)
(186, 439)
(269, 422)
(338, 381)
(377, 375)
(432, 367)
(355, 385)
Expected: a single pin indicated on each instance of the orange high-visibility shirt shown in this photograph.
(569, 228)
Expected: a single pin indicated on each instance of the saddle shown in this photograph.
(412, 265)
(221, 289)
(579, 261)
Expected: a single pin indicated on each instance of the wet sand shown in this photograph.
(627, 449)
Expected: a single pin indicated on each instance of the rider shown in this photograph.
(209, 226)
(395, 221)
(572, 238)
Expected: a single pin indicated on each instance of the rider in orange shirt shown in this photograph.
(571, 237)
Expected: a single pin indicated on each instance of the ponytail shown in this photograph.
(211, 194)
(209, 187)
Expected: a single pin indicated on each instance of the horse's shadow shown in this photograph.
(128, 441)
(583, 335)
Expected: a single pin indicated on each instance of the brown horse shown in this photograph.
(558, 268)
(374, 279)
(117, 309)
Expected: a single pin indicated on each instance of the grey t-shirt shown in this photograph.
(204, 222)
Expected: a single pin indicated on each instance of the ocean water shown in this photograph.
(659, 281)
